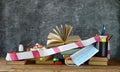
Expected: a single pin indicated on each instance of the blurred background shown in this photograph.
(30, 21)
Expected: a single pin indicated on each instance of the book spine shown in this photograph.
(99, 59)
(98, 63)
(45, 62)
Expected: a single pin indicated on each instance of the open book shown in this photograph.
(61, 36)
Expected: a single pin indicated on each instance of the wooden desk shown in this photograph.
(114, 66)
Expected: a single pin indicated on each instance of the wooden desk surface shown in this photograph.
(114, 66)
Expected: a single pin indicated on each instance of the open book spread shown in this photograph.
(61, 36)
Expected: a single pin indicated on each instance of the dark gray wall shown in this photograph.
(30, 21)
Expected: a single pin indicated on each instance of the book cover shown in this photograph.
(70, 52)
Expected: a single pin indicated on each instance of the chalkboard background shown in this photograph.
(30, 21)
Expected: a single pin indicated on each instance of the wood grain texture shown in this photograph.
(114, 66)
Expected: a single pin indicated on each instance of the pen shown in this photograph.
(103, 30)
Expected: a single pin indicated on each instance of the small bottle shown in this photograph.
(21, 48)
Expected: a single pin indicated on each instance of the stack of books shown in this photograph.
(98, 61)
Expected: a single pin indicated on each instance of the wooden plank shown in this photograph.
(114, 65)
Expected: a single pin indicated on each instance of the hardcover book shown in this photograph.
(16, 62)
(97, 63)
(104, 59)
(48, 62)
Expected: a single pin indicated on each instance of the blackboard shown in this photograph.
(29, 21)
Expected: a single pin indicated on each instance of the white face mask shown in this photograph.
(83, 54)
